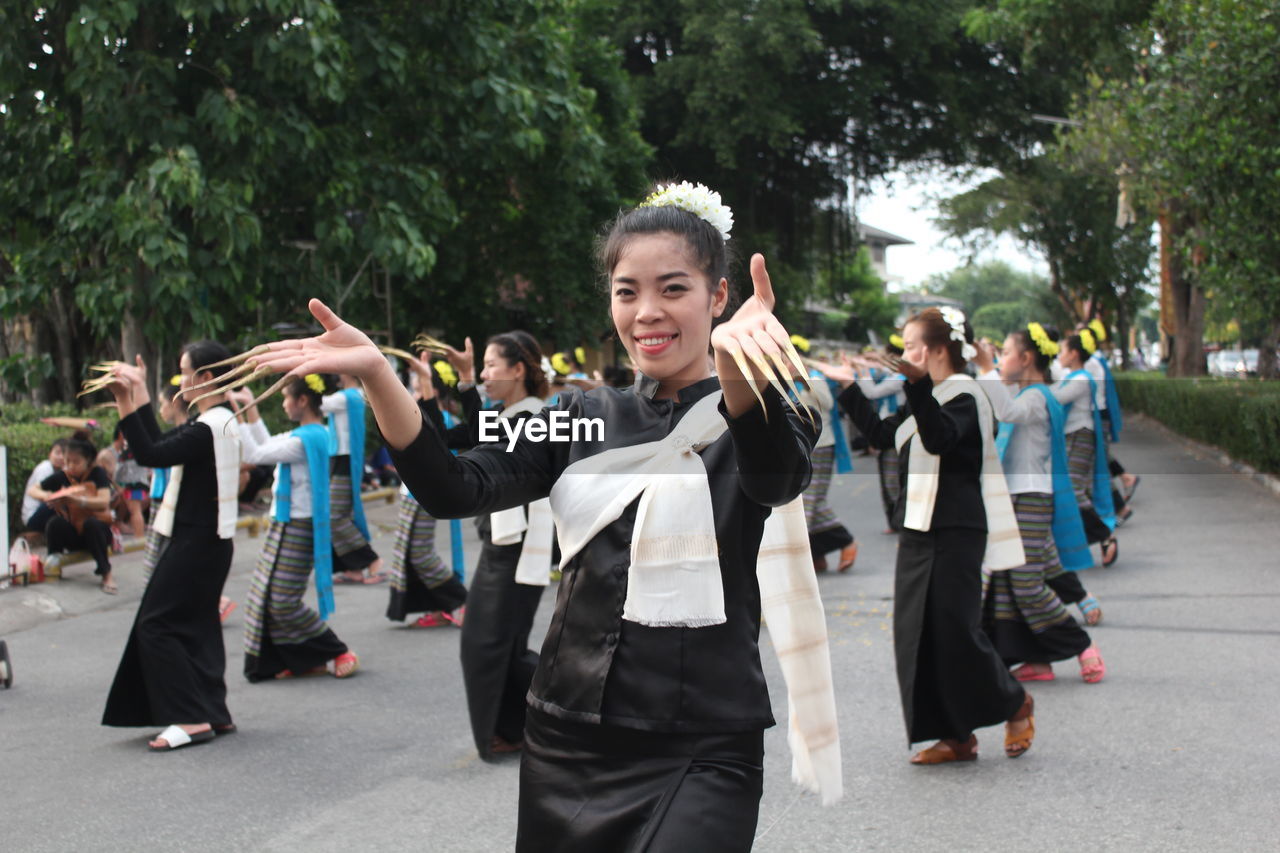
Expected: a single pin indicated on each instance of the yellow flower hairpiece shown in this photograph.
(175, 380)
(315, 382)
(801, 343)
(560, 364)
(446, 372)
(1088, 342)
(897, 341)
(580, 354)
(1099, 330)
(1047, 345)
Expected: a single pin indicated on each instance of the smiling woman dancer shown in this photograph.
(649, 704)
(956, 518)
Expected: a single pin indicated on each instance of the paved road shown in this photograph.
(1175, 750)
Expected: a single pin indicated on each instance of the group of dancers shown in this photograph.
(697, 515)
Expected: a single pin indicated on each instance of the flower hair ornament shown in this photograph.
(1047, 345)
(315, 382)
(696, 199)
(175, 380)
(954, 318)
(446, 372)
(560, 364)
(580, 355)
(801, 343)
(896, 340)
(1099, 330)
(1087, 341)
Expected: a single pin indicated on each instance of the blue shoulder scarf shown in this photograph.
(1113, 400)
(1102, 502)
(1068, 529)
(159, 482)
(355, 436)
(315, 440)
(455, 524)
(844, 460)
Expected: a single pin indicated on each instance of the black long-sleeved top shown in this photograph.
(595, 667)
(189, 445)
(949, 431)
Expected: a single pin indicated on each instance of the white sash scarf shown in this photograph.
(510, 526)
(674, 577)
(1004, 541)
(226, 462)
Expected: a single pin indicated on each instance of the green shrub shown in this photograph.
(1242, 417)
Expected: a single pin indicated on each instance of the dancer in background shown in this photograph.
(352, 553)
(420, 580)
(283, 636)
(957, 520)
(886, 392)
(1086, 460)
(1023, 615)
(174, 665)
(1092, 337)
(826, 533)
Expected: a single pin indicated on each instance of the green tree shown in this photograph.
(170, 171)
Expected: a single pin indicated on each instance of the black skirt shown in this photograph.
(951, 679)
(587, 787)
(497, 663)
(174, 663)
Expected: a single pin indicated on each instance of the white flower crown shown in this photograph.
(955, 319)
(696, 199)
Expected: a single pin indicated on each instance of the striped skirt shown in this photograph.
(351, 550)
(281, 631)
(1024, 617)
(1080, 462)
(826, 533)
(152, 550)
(420, 580)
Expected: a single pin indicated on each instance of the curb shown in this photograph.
(1267, 481)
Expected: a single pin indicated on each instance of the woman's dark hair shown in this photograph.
(519, 347)
(892, 350)
(168, 391)
(60, 442)
(1076, 345)
(1042, 361)
(298, 387)
(936, 332)
(202, 353)
(706, 245)
(84, 449)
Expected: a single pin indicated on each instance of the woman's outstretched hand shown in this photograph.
(753, 346)
(341, 348)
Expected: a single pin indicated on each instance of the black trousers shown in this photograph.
(95, 538)
(39, 519)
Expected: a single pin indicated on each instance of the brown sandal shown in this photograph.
(947, 750)
(1017, 744)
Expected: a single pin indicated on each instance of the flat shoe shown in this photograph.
(1026, 672)
(848, 555)
(1016, 745)
(343, 660)
(1092, 669)
(944, 753)
(109, 588)
(175, 737)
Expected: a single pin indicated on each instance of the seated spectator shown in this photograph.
(80, 496)
(35, 514)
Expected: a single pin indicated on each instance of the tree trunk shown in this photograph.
(1187, 358)
(1268, 364)
(64, 332)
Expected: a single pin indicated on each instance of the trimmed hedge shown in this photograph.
(1240, 416)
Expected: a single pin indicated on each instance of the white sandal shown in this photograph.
(176, 737)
